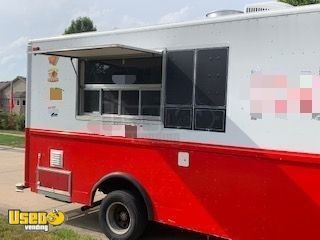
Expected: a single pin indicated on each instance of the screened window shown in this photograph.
(211, 77)
(210, 89)
(179, 89)
(209, 120)
(179, 84)
(196, 84)
(178, 118)
(129, 87)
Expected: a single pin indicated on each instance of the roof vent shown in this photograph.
(266, 6)
(222, 13)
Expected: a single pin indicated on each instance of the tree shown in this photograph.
(300, 2)
(80, 25)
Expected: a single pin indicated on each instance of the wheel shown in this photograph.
(122, 216)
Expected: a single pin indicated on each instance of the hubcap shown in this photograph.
(118, 218)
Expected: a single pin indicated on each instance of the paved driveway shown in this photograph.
(11, 172)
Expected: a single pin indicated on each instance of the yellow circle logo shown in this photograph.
(55, 218)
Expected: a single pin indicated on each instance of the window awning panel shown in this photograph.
(107, 51)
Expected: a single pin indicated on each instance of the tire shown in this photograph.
(122, 216)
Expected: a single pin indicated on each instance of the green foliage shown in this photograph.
(300, 2)
(80, 25)
(20, 122)
(4, 121)
(12, 121)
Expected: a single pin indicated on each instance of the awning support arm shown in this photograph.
(74, 68)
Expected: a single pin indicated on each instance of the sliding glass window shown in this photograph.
(122, 87)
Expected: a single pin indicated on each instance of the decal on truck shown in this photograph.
(56, 94)
(270, 94)
(53, 69)
(53, 111)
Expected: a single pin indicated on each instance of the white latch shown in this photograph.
(183, 159)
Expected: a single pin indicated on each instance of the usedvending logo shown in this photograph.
(36, 221)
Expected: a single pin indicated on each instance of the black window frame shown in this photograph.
(177, 100)
(222, 108)
(214, 75)
(169, 124)
(214, 107)
(178, 105)
(207, 128)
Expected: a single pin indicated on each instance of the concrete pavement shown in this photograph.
(12, 172)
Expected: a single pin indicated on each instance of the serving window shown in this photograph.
(122, 87)
(194, 92)
(120, 80)
(124, 71)
(91, 103)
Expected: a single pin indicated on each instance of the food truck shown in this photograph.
(211, 125)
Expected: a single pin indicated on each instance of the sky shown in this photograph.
(22, 20)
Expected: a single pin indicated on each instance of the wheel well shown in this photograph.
(121, 181)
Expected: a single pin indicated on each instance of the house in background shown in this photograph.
(13, 96)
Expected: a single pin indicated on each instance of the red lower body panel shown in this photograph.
(53, 180)
(236, 193)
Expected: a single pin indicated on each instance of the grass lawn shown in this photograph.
(12, 141)
(12, 132)
(8, 232)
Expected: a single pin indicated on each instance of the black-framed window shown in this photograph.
(179, 89)
(179, 78)
(178, 118)
(196, 85)
(210, 88)
(210, 120)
